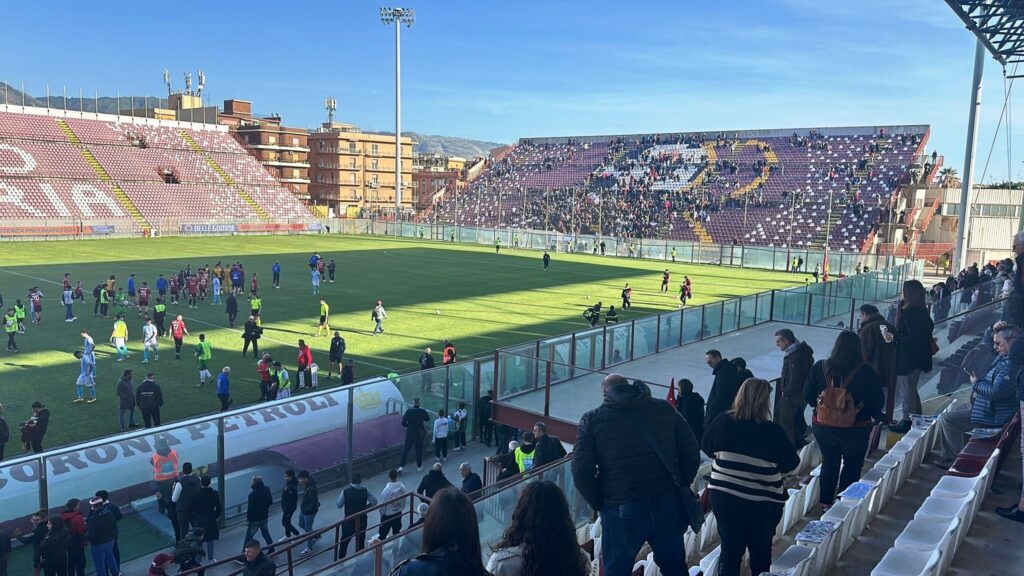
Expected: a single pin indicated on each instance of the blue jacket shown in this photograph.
(223, 385)
(995, 395)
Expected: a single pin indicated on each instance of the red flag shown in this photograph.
(672, 394)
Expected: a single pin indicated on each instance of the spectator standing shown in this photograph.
(448, 355)
(751, 454)
(126, 401)
(337, 353)
(231, 307)
(460, 421)
(255, 561)
(993, 399)
(35, 538)
(353, 500)
(630, 476)
(53, 551)
(540, 538)
(691, 405)
(101, 530)
(414, 421)
(913, 350)
(149, 398)
(441, 427)
(526, 452)
(433, 481)
(724, 388)
(451, 540)
(471, 482)
(876, 351)
(483, 417)
(846, 395)
(36, 427)
(741, 369)
(289, 504)
(378, 315)
(115, 511)
(75, 524)
(308, 508)
(391, 514)
(206, 511)
(797, 360)
(184, 491)
(258, 511)
(224, 388)
(549, 448)
(426, 361)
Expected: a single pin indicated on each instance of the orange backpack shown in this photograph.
(836, 407)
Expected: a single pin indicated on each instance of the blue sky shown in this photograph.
(503, 70)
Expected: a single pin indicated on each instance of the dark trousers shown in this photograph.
(225, 401)
(390, 523)
(177, 347)
(264, 390)
(231, 318)
(460, 438)
(348, 531)
(184, 518)
(158, 319)
(289, 528)
(277, 278)
(103, 310)
(37, 444)
(745, 525)
(840, 447)
(11, 344)
(658, 522)
(441, 447)
(96, 306)
(76, 560)
(255, 347)
(150, 417)
(415, 443)
(486, 431)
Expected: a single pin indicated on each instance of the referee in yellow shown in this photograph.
(324, 318)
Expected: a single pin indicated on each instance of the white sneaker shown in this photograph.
(282, 538)
(419, 468)
(399, 469)
(304, 551)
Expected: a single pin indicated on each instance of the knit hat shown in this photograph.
(161, 559)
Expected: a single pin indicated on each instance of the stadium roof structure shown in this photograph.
(998, 24)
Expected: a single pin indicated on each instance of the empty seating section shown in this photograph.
(43, 173)
(658, 185)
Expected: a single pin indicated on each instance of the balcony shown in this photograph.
(277, 147)
(285, 164)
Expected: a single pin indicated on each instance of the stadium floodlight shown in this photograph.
(398, 16)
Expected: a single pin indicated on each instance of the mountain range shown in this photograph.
(426, 143)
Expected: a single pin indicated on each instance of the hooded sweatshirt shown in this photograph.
(391, 491)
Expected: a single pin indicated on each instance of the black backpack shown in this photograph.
(96, 291)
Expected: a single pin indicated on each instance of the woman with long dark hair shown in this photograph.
(541, 539)
(751, 453)
(913, 342)
(842, 429)
(54, 550)
(451, 539)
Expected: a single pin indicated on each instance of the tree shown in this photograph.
(948, 178)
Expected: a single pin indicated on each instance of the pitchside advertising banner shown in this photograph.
(71, 230)
(196, 228)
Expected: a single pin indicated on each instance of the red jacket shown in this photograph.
(305, 357)
(75, 524)
(263, 369)
(448, 356)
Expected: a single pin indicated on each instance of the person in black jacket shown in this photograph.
(471, 482)
(258, 511)
(741, 369)
(433, 481)
(845, 447)
(53, 552)
(619, 471)
(483, 416)
(353, 500)
(913, 350)
(184, 490)
(309, 507)
(37, 426)
(149, 398)
(206, 512)
(251, 333)
(5, 435)
(726, 385)
(289, 503)
(751, 453)
(691, 405)
(231, 307)
(101, 531)
(426, 361)
(797, 360)
(549, 448)
(35, 537)
(415, 423)
(256, 563)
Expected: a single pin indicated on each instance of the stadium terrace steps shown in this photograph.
(119, 194)
(224, 176)
(699, 230)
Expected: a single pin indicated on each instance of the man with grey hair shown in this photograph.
(633, 457)
(470, 480)
(994, 399)
(1014, 310)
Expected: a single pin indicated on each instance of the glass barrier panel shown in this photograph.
(748, 312)
(781, 260)
(669, 330)
(645, 337)
(764, 307)
(730, 318)
(790, 307)
(712, 320)
(485, 236)
(654, 251)
(19, 490)
(516, 374)
(427, 385)
(617, 344)
(559, 351)
(693, 319)
(589, 344)
(467, 235)
(754, 257)
(709, 254)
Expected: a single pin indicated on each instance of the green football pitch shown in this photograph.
(432, 291)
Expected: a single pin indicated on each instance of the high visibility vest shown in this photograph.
(165, 467)
(256, 303)
(524, 460)
(10, 324)
(160, 308)
(19, 312)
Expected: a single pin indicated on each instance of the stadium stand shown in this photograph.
(73, 168)
(770, 188)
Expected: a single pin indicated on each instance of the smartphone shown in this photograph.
(883, 328)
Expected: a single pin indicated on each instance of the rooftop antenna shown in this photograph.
(167, 81)
(332, 106)
(202, 82)
(188, 83)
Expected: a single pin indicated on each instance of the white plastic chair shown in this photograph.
(709, 563)
(891, 463)
(652, 567)
(709, 531)
(945, 510)
(843, 514)
(959, 487)
(880, 477)
(796, 561)
(926, 535)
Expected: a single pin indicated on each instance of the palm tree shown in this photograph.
(948, 178)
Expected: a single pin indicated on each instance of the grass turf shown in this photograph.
(431, 290)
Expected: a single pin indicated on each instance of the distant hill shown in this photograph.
(427, 143)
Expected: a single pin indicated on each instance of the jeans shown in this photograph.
(210, 546)
(131, 417)
(840, 446)
(103, 558)
(379, 327)
(252, 526)
(745, 525)
(69, 312)
(659, 522)
(306, 523)
(907, 398)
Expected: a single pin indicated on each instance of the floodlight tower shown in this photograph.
(398, 16)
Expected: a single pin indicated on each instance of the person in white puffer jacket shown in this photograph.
(391, 514)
